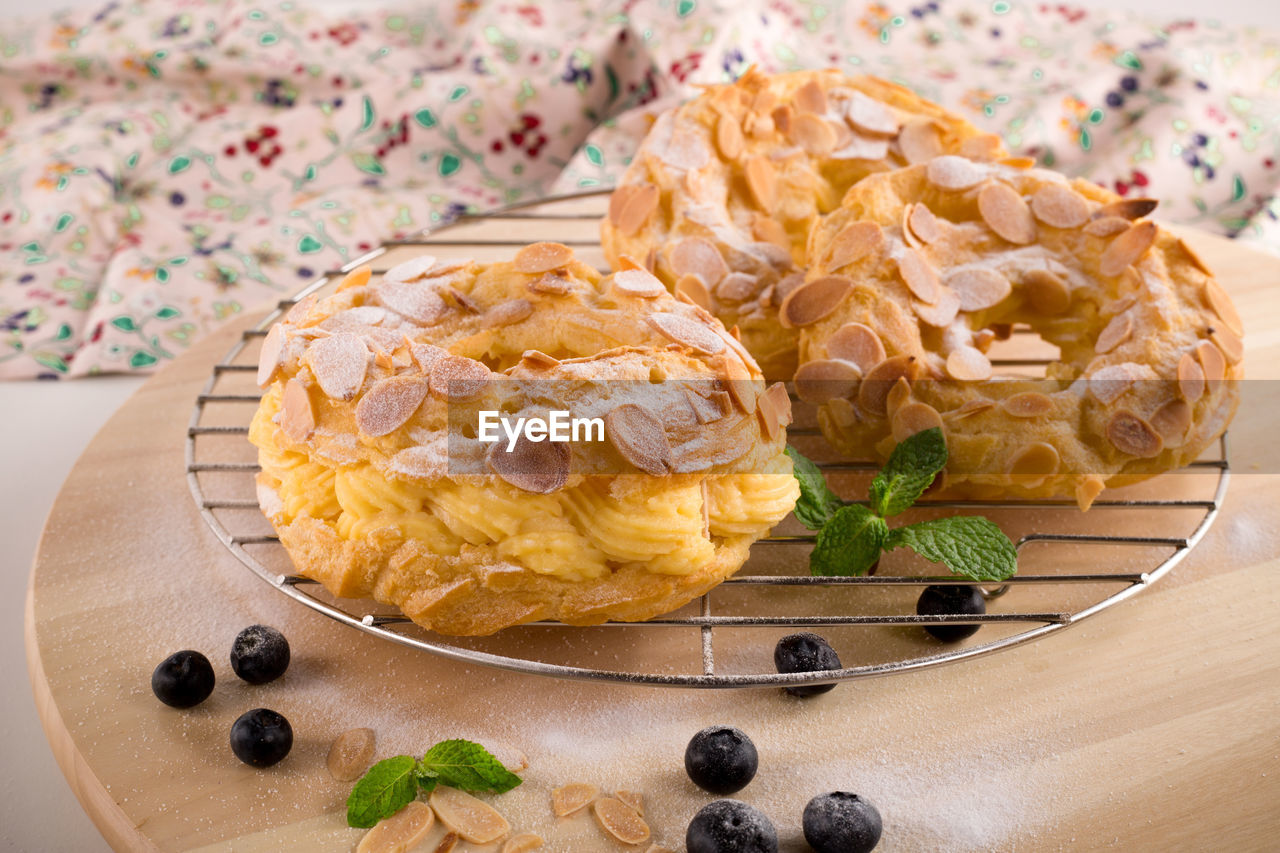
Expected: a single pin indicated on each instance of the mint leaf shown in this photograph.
(969, 545)
(817, 502)
(467, 766)
(849, 543)
(911, 468)
(387, 787)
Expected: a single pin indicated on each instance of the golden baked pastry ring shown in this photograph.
(220, 474)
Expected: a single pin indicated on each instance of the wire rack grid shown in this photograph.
(221, 479)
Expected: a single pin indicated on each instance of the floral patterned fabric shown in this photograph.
(167, 165)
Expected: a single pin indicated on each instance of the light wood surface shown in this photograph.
(1155, 725)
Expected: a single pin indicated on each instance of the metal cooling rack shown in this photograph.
(221, 470)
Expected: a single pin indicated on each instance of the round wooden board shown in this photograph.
(1152, 726)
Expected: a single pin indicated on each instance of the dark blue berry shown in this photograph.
(261, 737)
(948, 601)
(841, 822)
(721, 759)
(730, 826)
(805, 653)
(260, 654)
(183, 679)
(1201, 139)
(1129, 83)
(1115, 99)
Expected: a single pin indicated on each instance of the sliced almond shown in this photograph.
(350, 754)
(401, 832)
(854, 242)
(463, 301)
(298, 313)
(626, 262)
(911, 418)
(1128, 248)
(458, 378)
(813, 134)
(1017, 162)
(1087, 489)
(1130, 434)
(1211, 359)
(508, 313)
(773, 408)
(1007, 214)
(355, 319)
(762, 180)
(742, 389)
(968, 364)
(862, 148)
(425, 355)
(1196, 260)
(818, 381)
(639, 438)
(1171, 421)
(898, 396)
(705, 410)
(814, 300)
(767, 230)
(867, 115)
(953, 173)
(297, 419)
(942, 312)
(729, 137)
(919, 275)
(271, 356)
(737, 287)
(635, 799)
(979, 287)
(970, 408)
(686, 150)
(1108, 383)
(638, 282)
(983, 338)
(631, 205)
(1028, 404)
(1190, 378)
(1230, 344)
(447, 843)
(1047, 292)
(984, 146)
(699, 256)
(421, 303)
(811, 98)
(474, 820)
(785, 287)
(763, 101)
(389, 404)
(522, 843)
(1059, 206)
(920, 140)
(856, 343)
(551, 284)
(782, 117)
(873, 393)
(686, 332)
(538, 467)
(1128, 208)
(568, 799)
(1119, 330)
(1038, 459)
(693, 288)
(921, 222)
(1106, 226)
(410, 270)
(1218, 301)
(620, 820)
(358, 277)
(542, 257)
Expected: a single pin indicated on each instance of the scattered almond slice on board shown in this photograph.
(399, 833)
(474, 820)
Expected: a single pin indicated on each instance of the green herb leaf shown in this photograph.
(817, 502)
(467, 766)
(969, 545)
(387, 787)
(911, 468)
(849, 543)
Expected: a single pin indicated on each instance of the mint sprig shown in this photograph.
(393, 783)
(852, 537)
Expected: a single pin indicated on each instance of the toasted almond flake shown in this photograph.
(1106, 226)
(759, 125)
(423, 461)
(813, 134)
(705, 411)
(619, 820)
(953, 173)
(638, 282)
(298, 313)
(1171, 421)
(1108, 383)
(458, 378)
(695, 289)
(1211, 359)
(447, 843)
(811, 98)
(626, 262)
(686, 332)
(970, 408)
(1038, 459)
(1007, 213)
(1017, 162)
(968, 364)
(631, 205)
(410, 270)
(542, 257)
(522, 843)
(920, 140)
(740, 384)
(1128, 248)
(1087, 489)
(814, 300)
(271, 356)
(773, 408)
(786, 286)
(463, 301)
(538, 359)
(339, 363)
(1130, 434)
(899, 395)
(942, 312)
(729, 137)
(358, 277)
(867, 115)
(635, 799)
(425, 355)
(699, 256)
(355, 319)
(911, 418)
(1218, 301)
(919, 275)
(1196, 260)
(984, 146)
(873, 393)
(979, 287)
(854, 242)
(1230, 344)
(921, 222)
(508, 313)
(1190, 378)
(767, 230)
(818, 381)
(350, 754)
(763, 101)
(1116, 332)
(1128, 208)
(862, 148)
(782, 117)
(538, 467)
(401, 832)
(762, 180)
(1047, 292)
(1028, 404)
(983, 338)
(856, 343)
(686, 150)
(1059, 206)
(639, 438)
(552, 284)
(389, 404)
(297, 419)
(421, 303)
(737, 287)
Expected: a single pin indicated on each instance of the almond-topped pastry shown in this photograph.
(380, 478)
(921, 269)
(724, 190)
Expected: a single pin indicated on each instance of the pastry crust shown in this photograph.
(379, 487)
(724, 190)
(921, 268)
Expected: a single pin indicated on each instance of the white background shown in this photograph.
(44, 427)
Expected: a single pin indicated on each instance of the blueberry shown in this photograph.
(721, 759)
(1129, 83)
(1115, 99)
(730, 826)
(183, 679)
(841, 822)
(261, 737)
(260, 654)
(947, 601)
(805, 653)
